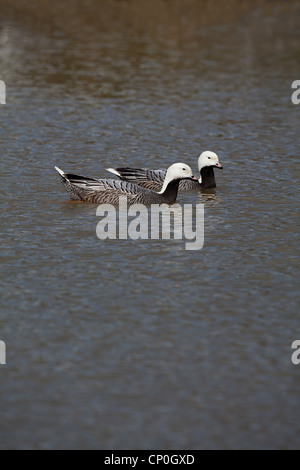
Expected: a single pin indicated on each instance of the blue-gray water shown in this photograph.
(141, 344)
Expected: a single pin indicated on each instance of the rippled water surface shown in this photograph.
(142, 344)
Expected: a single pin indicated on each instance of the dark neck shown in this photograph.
(171, 191)
(208, 177)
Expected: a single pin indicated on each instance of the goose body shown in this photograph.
(111, 191)
(153, 179)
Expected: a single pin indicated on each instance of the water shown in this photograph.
(141, 344)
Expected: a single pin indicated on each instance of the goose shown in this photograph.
(153, 179)
(112, 191)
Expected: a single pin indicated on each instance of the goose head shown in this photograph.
(178, 171)
(208, 159)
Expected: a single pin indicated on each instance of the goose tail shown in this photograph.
(114, 172)
(62, 174)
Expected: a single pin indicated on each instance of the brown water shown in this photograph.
(141, 344)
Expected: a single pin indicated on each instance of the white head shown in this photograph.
(208, 158)
(178, 171)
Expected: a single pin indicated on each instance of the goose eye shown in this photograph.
(208, 158)
(184, 169)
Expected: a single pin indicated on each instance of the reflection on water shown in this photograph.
(141, 344)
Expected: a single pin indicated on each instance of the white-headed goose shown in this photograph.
(103, 191)
(153, 179)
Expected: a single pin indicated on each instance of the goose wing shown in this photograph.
(103, 191)
(144, 177)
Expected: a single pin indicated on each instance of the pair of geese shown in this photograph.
(142, 186)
